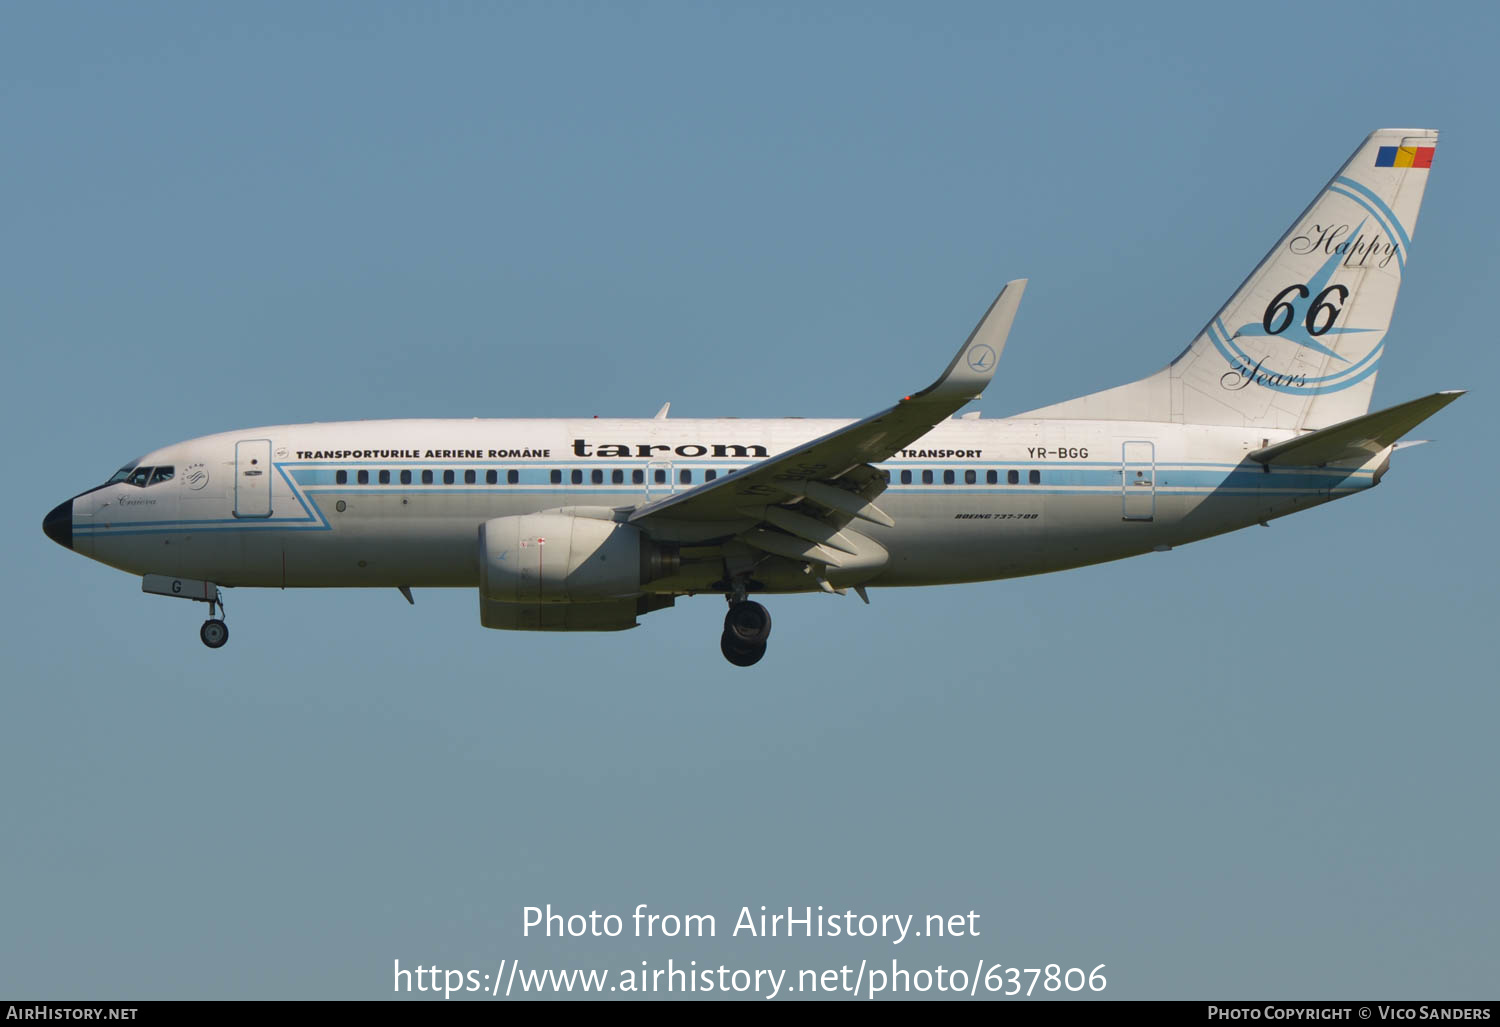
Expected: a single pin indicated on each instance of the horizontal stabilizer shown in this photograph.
(1357, 439)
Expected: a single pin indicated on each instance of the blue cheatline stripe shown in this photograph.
(300, 466)
(312, 519)
(306, 477)
(1109, 492)
(1251, 481)
(1065, 478)
(1104, 494)
(1057, 474)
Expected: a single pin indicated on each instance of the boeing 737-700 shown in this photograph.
(588, 524)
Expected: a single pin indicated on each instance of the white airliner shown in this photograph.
(586, 524)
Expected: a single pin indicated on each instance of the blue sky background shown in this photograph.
(1259, 766)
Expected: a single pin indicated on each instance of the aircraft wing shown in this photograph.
(834, 471)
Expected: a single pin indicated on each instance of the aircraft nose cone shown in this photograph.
(59, 524)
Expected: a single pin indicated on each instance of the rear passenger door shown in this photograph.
(1138, 481)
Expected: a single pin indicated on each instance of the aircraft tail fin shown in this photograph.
(1299, 343)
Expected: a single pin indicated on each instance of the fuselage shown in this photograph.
(586, 525)
(399, 503)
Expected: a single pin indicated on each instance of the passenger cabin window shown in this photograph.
(161, 474)
(971, 477)
(576, 477)
(617, 477)
(448, 477)
(341, 477)
(511, 477)
(906, 477)
(426, 477)
(926, 477)
(1035, 477)
(596, 477)
(470, 478)
(556, 477)
(406, 477)
(991, 477)
(1012, 477)
(385, 477)
(638, 477)
(686, 477)
(947, 477)
(364, 477)
(710, 475)
(492, 477)
(660, 477)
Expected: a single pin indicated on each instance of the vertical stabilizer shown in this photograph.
(1299, 343)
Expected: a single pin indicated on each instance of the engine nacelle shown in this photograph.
(560, 557)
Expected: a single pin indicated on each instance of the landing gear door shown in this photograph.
(1138, 481)
(252, 478)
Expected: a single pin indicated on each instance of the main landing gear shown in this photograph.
(747, 625)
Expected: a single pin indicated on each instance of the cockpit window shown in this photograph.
(139, 477)
(162, 474)
(122, 473)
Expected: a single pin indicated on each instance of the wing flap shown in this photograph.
(810, 528)
(777, 544)
(847, 502)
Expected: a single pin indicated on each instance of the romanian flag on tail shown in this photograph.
(1404, 157)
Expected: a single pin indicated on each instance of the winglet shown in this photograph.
(974, 365)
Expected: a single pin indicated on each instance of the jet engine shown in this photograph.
(561, 557)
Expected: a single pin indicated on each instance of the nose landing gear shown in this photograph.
(747, 625)
(214, 632)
